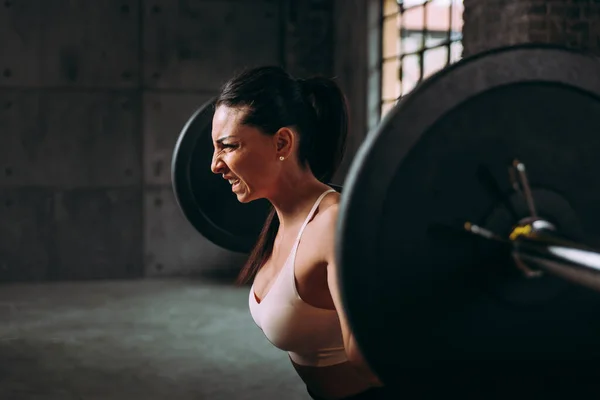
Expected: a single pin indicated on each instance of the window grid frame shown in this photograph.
(452, 36)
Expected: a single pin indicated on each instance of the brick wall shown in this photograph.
(495, 23)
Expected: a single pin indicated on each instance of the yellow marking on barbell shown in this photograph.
(520, 230)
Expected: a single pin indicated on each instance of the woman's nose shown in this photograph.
(216, 165)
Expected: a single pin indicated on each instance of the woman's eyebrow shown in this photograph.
(220, 140)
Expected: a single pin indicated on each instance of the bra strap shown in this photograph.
(312, 211)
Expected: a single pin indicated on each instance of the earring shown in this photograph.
(281, 158)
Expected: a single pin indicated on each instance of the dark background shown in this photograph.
(93, 95)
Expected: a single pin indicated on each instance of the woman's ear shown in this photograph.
(284, 142)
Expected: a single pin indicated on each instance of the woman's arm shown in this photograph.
(352, 350)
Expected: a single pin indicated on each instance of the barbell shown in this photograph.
(467, 226)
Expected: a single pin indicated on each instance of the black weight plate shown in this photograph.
(205, 198)
(428, 307)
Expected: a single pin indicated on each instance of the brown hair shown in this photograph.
(316, 107)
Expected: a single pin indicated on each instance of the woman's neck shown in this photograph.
(294, 198)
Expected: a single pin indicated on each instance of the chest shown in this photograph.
(280, 258)
(306, 271)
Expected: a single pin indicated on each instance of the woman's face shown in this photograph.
(243, 155)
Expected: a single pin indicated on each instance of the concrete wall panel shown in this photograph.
(351, 65)
(173, 247)
(199, 44)
(165, 115)
(99, 233)
(20, 43)
(70, 139)
(22, 151)
(91, 43)
(309, 36)
(26, 234)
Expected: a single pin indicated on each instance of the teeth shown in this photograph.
(232, 181)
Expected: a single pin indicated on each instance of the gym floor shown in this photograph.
(154, 339)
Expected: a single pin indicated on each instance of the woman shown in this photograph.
(279, 138)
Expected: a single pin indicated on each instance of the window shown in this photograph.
(419, 38)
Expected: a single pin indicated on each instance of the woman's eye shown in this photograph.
(229, 146)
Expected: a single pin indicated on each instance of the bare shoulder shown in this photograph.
(325, 225)
(326, 218)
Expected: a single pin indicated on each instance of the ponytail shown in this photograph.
(316, 107)
(327, 143)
